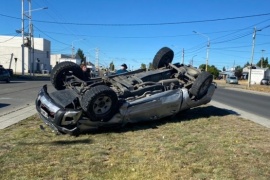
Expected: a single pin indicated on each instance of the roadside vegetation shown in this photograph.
(243, 84)
(203, 143)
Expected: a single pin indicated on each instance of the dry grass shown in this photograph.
(243, 84)
(193, 145)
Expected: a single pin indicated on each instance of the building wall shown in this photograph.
(10, 48)
(256, 76)
(57, 58)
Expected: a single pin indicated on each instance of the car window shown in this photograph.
(232, 77)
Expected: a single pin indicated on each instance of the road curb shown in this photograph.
(15, 117)
(246, 115)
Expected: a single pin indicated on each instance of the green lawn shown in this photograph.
(203, 143)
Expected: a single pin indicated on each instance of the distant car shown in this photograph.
(232, 80)
(265, 81)
(4, 75)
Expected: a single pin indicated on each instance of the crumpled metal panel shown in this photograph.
(154, 107)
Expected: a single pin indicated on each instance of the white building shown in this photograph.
(36, 61)
(57, 58)
(257, 74)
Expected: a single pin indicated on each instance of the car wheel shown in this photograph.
(99, 103)
(61, 70)
(201, 84)
(8, 80)
(163, 57)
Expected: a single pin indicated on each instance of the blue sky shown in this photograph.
(132, 31)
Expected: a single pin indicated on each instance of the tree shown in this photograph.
(238, 72)
(211, 69)
(247, 64)
(112, 66)
(264, 62)
(224, 69)
(81, 55)
(143, 66)
(150, 67)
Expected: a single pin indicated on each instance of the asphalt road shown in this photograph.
(19, 94)
(253, 103)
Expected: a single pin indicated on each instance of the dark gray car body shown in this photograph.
(4, 75)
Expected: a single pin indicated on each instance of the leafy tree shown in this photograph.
(81, 55)
(150, 66)
(202, 67)
(112, 67)
(238, 71)
(143, 66)
(247, 64)
(211, 69)
(224, 69)
(264, 62)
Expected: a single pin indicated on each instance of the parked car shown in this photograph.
(265, 81)
(4, 75)
(232, 80)
(78, 106)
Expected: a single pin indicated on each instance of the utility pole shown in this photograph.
(22, 37)
(252, 55)
(207, 47)
(207, 53)
(183, 55)
(97, 58)
(262, 58)
(30, 36)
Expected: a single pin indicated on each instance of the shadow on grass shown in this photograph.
(60, 142)
(188, 115)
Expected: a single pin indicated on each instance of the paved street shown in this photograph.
(255, 103)
(17, 100)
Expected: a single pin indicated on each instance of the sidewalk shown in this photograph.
(15, 117)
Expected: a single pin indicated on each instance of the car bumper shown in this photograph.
(59, 119)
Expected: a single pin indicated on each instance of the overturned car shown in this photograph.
(81, 105)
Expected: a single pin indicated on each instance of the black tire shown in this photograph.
(201, 85)
(100, 103)
(61, 70)
(8, 80)
(163, 57)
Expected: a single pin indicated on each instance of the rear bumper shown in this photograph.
(58, 118)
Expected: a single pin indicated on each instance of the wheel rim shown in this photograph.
(102, 105)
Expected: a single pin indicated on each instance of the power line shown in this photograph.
(51, 37)
(9, 39)
(145, 24)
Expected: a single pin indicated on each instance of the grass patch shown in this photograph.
(193, 145)
(244, 85)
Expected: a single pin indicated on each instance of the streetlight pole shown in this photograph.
(192, 60)
(207, 49)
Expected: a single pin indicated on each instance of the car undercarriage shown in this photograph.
(81, 105)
